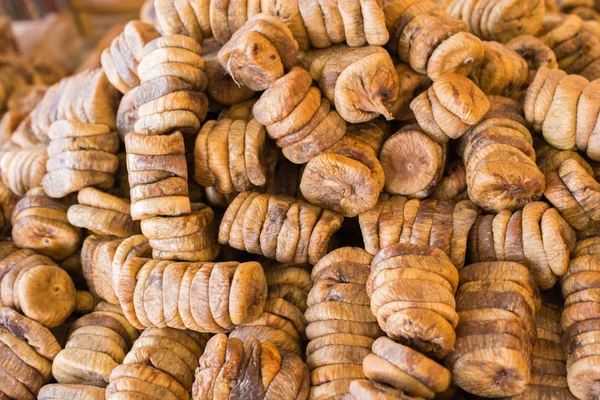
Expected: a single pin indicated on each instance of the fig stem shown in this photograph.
(229, 69)
(382, 109)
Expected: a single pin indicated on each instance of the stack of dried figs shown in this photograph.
(97, 343)
(341, 327)
(278, 227)
(282, 321)
(81, 155)
(161, 360)
(307, 199)
(249, 369)
(496, 304)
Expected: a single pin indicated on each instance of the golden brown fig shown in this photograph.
(262, 45)
(31, 281)
(535, 52)
(309, 238)
(41, 223)
(560, 122)
(93, 350)
(96, 103)
(102, 221)
(328, 128)
(242, 156)
(258, 368)
(347, 163)
(500, 22)
(361, 103)
(580, 184)
(456, 104)
(121, 59)
(289, 14)
(221, 87)
(175, 17)
(509, 187)
(376, 93)
(406, 172)
(23, 169)
(486, 329)
(501, 72)
(498, 362)
(67, 391)
(433, 42)
(278, 101)
(433, 375)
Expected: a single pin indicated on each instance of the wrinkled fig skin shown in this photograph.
(501, 173)
(538, 237)
(563, 108)
(493, 350)
(361, 83)
(423, 35)
(257, 54)
(41, 224)
(274, 216)
(312, 24)
(499, 21)
(305, 199)
(28, 350)
(579, 337)
(502, 71)
(253, 369)
(157, 293)
(573, 42)
(161, 361)
(79, 155)
(454, 105)
(121, 59)
(94, 348)
(169, 104)
(425, 323)
(35, 286)
(341, 327)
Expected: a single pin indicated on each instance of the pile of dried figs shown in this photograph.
(306, 199)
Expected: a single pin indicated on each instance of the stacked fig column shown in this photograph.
(171, 106)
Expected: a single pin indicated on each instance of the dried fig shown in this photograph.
(502, 71)
(222, 89)
(262, 44)
(500, 22)
(354, 159)
(68, 391)
(423, 173)
(41, 223)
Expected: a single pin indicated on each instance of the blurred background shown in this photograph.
(68, 32)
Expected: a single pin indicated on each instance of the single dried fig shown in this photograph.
(263, 45)
(102, 213)
(409, 173)
(375, 94)
(347, 167)
(451, 101)
(222, 89)
(41, 223)
(535, 52)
